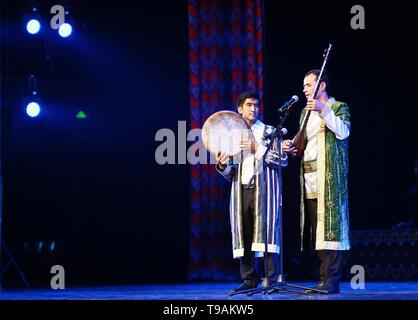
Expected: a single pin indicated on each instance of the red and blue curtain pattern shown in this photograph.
(226, 58)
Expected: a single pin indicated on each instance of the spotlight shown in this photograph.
(81, 115)
(33, 26)
(65, 30)
(33, 109)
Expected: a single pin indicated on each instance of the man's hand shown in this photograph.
(315, 105)
(222, 158)
(289, 147)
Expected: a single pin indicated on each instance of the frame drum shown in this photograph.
(223, 132)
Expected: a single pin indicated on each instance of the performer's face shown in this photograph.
(309, 84)
(249, 110)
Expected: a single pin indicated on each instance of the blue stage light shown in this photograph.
(65, 30)
(33, 109)
(33, 26)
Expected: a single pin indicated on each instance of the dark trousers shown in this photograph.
(253, 269)
(331, 260)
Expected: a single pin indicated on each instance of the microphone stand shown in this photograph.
(282, 284)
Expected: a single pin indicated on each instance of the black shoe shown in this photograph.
(317, 287)
(325, 288)
(246, 285)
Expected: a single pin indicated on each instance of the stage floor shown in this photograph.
(212, 291)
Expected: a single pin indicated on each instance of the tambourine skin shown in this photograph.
(223, 131)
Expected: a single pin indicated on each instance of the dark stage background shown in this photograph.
(93, 186)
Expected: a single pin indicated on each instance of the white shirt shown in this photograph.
(335, 124)
(248, 164)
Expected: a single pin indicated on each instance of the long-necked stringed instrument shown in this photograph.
(300, 140)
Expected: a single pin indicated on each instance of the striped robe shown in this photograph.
(267, 201)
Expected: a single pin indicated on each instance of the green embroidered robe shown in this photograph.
(332, 177)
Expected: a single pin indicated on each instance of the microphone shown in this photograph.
(283, 131)
(288, 104)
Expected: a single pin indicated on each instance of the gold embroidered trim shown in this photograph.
(309, 166)
(313, 195)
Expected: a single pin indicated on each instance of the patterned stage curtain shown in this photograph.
(386, 255)
(225, 52)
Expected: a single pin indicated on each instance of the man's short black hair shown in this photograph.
(316, 72)
(247, 95)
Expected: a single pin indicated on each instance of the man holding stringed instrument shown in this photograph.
(255, 196)
(324, 168)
